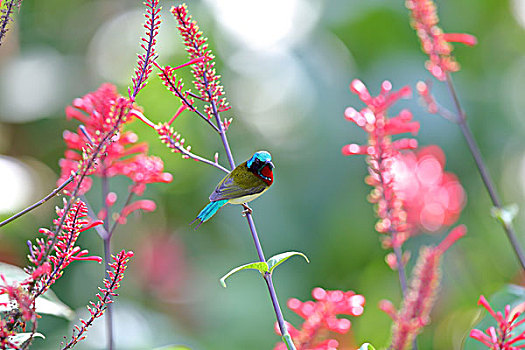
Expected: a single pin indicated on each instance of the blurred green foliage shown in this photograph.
(288, 97)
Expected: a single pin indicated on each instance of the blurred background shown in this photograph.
(286, 66)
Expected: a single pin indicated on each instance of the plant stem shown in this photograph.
(251, 223)
(483, 170)
(39, 203)
(401, 269)
(107, 255)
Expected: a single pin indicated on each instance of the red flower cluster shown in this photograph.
(65, 250)
(431, 197)
(320, 316)
(420, 298)
(501, 337)
(382, 152)
(123, 155)
(111, 284)
(434, 42)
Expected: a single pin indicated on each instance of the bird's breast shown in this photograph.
(246, 199)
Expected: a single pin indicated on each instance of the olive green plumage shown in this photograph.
(245, 183)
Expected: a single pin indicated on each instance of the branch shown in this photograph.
(483, 170)
(40, 202)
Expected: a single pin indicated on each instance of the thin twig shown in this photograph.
(40, 202)
(185, 152)
(483, 170)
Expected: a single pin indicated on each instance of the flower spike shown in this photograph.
(502, 337)
(111, 284)
(145, 60)
(419, 300)
(434, 42)
(320, 317)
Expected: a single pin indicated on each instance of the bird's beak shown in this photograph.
(271, 164)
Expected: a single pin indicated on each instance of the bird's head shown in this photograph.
(261, 164)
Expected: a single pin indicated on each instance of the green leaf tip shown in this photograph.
(506, 214)
(261, 266)
(367, 346)
(278, 259)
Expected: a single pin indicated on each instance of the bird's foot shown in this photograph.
(247, 210)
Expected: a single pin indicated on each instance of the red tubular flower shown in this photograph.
(432, 198)
(111, 284)
(143, 170)
(144, 204)
(65, 250)
(123, 155)
(434, 42)
(420, 298)
(382, 152)
(502, 337)
(320, 316)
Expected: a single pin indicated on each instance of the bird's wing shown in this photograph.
(229, 188)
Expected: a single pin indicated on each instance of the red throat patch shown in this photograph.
(267, 171)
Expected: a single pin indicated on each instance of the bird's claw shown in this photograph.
(247, 210)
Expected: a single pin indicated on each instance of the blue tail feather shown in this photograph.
(210, 210)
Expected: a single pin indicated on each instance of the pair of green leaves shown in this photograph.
(263, 266)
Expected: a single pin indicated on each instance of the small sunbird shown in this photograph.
(245, 183)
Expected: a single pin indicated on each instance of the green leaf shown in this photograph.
(20, 338)
(367, 346)
(173, 347)
(261, 266)
(278, 259)
(48, 303)
(505, 215)
(512, 295)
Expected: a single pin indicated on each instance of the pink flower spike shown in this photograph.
(466, 39)
(320, 316)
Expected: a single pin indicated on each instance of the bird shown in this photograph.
(245, 183)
